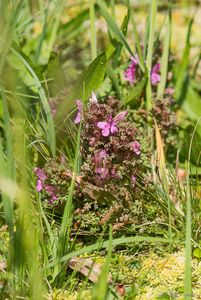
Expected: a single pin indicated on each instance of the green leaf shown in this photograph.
(54, 70)
(91, 78)
(196, 145)
(136, 91)
(197, 253)
(114, 80)
(192, 103)
(181, 69)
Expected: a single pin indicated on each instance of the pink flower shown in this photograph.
(39, 185)
(129, 73)
(103, 172)
(51, 190)
(155, 76)
(79, 112)
(114, 174)
(99, 156)
(169, 91)
(136, 147)
(110, 127)
(41, 178)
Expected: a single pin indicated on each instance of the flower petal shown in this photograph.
(134, 60)
(103, 172)
(39, 185)
(113, 128)
(155, 78)
(40, 174)
(136, 147)
(106, 131)
(79, 105)
(120, 116)
(156, 68)
(102, 125)
(77, 118)
(79, 113)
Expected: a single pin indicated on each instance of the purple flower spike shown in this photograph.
(110, 127)
(136, 147)
(129, 73)
(79, 112)
(155, 76)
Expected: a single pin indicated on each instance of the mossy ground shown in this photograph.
(145, 276)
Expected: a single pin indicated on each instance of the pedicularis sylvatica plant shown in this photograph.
(111, 171)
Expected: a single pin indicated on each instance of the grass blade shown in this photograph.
(150, 51)
(66, 219)
(51, 139)
(115, 242)
(181, 69)
(42, 37)
(113, 26)
(137, 38)
(164, 59)
(188, 245)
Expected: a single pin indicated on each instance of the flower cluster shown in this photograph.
(42, 185)
(155, 74)
(53, 180)
(111, 169)
(111, 146)
(132, 73)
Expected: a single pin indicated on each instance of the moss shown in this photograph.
(152, 275)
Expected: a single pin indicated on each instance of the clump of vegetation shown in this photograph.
(114, 168)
